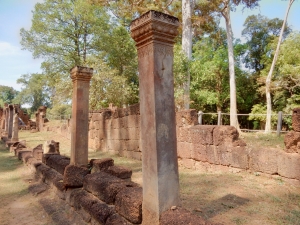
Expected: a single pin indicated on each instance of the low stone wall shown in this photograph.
(102, 194)
(208, 148)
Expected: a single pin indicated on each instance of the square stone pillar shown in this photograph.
(10, 120)
(6, 117)
(81, 77)
(154, 34)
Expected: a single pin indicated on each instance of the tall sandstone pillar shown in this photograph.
(154, 34)
(6, 117)
(81, 77)
(10, 120)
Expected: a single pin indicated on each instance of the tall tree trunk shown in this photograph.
(187, 35)
(268, 80)
(233, 105)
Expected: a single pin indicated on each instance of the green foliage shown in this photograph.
(259, 32)
(35, 91)
(65, 34)
(258, 116)
(109, 87)
(7, 95)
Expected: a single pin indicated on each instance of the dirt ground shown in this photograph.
(228, 198)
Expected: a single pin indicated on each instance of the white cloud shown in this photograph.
(8, 49)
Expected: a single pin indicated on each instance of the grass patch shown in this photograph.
(261, 139)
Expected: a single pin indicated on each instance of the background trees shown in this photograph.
(216, 69)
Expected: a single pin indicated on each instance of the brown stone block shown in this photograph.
(224, 155)
(101, 164)
(74, 195)
(133, 133)
(96, 208)
(124, 133)
(116, 219)
(50, 176)
(23, 154)
(180, 216)
(133, 121)
(104, 186)
(116, 123)
(134, 109)
(291, 140)
(199, 152)
(184, 134)
(202, 134)
(184, 150)
(129, 204)
(212, 155)
(115, 134)
(187, 117)
(296, 119)
(124, 122)
(57, 162)
(58, 182)
(120, 172)
(74, 175)
(289, 165)
(188, 163)
(38, 153)
(222, 134)
(264, 160)
(240, 157)
(41, 169)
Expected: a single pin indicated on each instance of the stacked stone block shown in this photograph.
(116, 131)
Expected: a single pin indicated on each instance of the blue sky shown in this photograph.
(15, 14)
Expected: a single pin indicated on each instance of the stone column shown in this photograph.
(15, 130)
(6, 118)
(81, 77)
(10, 120)
(154, 34)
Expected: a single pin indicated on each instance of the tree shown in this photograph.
(287, 82)
(224, 7)
(34, 92)
(268, 80)
(187, 37)
(7, 95)
(65, 33)
(259, 31)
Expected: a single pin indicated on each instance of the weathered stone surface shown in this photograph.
(96, 208)
(186, 117)
(199, 152)
(222, 134)
(73, 197)
(81, 77)
(180, 216)
(120, 172)
(74, 175)
(116, 219)
(101, 164)
(37, 152)
(296, 119)
(240, 158)
(202, 134)
(50, 176)
(58, 182)
(154, 34)
(292, 142)
(57, 162)
(23, 154)
(129, 204)
(184, 150)
(51, 147)
(104, 186)
(41, 169)
(264, 160)
(289, 165)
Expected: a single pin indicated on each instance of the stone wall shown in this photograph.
(207, 148)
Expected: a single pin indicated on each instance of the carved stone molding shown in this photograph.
(154, 26)
(157, 49)
(81, 73)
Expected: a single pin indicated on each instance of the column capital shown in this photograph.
(81, 73)
(154, 26)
